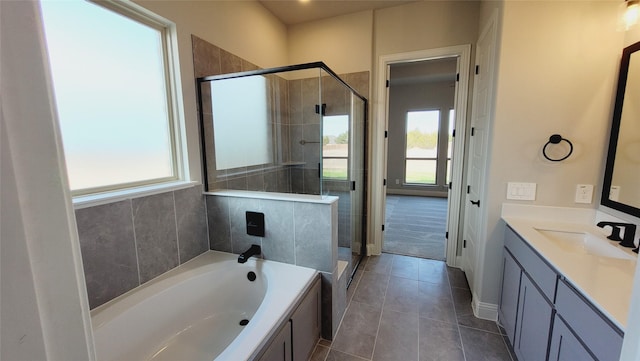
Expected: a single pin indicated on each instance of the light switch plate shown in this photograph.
(521, 191)
(584, 193)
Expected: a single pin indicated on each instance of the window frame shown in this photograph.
(174, 109)
(347, 157)
(406, 158)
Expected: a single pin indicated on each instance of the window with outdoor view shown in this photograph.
(421, 150)
(335, 147)
(110, 71)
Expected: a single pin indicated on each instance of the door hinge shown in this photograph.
(468, 189)
(386, 134)
(384, 182)
(477, 69)
(446, 235)
(473, 131)
(464, 243)
(449, 185)
(319, 170)
(388, 83)
(353, 185)
(453, 134)
(458, 77)
(383, 227)
(322, 110)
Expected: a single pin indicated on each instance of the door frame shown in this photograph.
(380, 144)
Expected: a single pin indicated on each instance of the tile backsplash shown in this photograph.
(127, 243)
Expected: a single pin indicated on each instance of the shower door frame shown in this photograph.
(289, 68)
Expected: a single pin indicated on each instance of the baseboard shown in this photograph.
(373, 249)
(485, 311)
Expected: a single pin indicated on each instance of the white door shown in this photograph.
(480, 120)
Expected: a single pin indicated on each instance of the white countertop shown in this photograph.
(606, 282)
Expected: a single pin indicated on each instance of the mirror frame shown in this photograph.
(615, 130)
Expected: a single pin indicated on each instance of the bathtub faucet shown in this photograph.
(254, 250)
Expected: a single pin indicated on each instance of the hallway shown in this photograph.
(407, 308)
(415, 226)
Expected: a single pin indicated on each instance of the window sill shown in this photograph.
(91, 200)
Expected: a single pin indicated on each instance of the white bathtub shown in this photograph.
(193, 312)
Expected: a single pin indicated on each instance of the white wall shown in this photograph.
(344, 43)
(557, 73)
(243, 28)
(43, 304)
(44, 309)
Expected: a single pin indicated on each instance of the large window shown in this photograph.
(421, 152)
(335, 147)
(429, 146)
(111, 81)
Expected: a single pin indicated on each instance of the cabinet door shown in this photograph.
(509, 296)
(565, 345)
(306, 324)
(533, 323)
(280, 347)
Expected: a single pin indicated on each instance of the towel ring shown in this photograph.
(555, 139)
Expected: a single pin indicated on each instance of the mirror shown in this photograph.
(622, 173)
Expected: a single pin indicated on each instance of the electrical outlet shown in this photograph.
(397, 181)
(584, 193)
(614, 193)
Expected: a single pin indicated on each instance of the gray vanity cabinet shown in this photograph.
(603, 339)
(565, 346)
(510, 286)
(533, 323)
(545, 317)
(526, 309)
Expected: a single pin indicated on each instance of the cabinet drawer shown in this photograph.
(545, 277)
(603, 339)
(565, 346)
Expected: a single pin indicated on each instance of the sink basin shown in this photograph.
(586, 243)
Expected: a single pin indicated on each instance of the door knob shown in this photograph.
(476, 203)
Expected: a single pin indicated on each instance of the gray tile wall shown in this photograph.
(127, 243)
(209, 59)
(304, 234)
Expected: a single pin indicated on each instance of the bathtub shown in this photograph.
(195, 311)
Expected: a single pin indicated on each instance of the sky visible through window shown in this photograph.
(109, 83)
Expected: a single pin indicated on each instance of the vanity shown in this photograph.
(566, 288)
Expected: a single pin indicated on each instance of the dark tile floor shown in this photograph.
(405, 308)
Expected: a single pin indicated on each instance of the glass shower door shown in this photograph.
(357, 177)
(343, 173)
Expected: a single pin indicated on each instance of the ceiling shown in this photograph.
(292, 12)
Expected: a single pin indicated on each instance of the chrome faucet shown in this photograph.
(254, 250)
(629, 233)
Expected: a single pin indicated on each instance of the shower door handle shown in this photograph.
(476, 203)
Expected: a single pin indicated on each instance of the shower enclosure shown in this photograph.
(293, 129)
